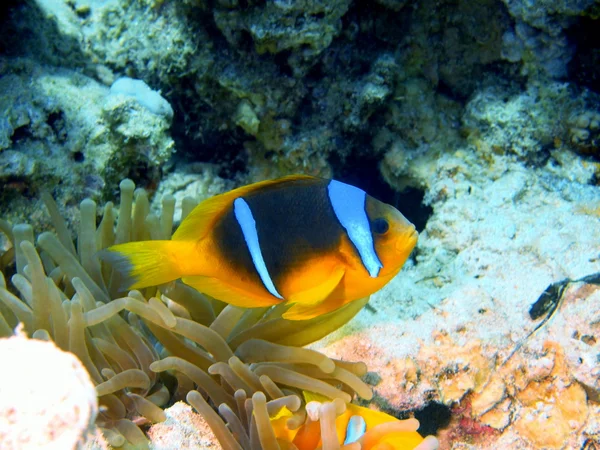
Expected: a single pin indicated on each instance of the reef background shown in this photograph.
(480, 120)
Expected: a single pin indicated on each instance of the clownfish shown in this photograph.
(316, 244)
(352, 426)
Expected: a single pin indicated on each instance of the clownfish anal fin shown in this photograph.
(317, 293)
(235, 295)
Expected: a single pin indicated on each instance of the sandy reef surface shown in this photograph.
(444, 328)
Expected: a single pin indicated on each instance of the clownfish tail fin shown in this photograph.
(149, 263)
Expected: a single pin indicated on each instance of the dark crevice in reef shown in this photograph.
(410, 202)
(433, 417)
(362, 170)
(376, 22)
(540, 158)
(198, 141)
(196, 123)
(226, 150)
(584, 68)
(8, 30)
(281, 60)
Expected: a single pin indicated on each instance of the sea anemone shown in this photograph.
(243, 370)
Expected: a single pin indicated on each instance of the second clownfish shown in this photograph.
(316, 244)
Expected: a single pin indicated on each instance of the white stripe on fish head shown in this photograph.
(349, 206)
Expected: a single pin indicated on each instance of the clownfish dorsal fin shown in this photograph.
(203, 217)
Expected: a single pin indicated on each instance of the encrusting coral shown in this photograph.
(143, 350)
(43, 375)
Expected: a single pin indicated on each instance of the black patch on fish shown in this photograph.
(232, 246)
(548, 300)
(294, 222)
(548, 303)
(591, 279)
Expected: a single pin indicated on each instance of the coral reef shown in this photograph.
(66, 133)
(549, 16)
(268, 89)
(47, 399)
(541, 55)
(526, 122)
(309, 25)
(539, 39)
(584, 130)
(445, 331)
(481, 118)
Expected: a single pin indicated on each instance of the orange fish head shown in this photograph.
(394, 236)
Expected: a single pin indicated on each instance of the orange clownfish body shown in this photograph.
(314, 243)
(374, 430)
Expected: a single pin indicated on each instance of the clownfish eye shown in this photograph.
(380, 226)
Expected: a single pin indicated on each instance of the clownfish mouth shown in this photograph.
(408, 240)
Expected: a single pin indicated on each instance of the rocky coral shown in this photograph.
(91, 35)
(450, 99)
(584, 131)
(280, 87)
(276, 26)
(64, 130)
(538, 399)
(311, 95)
(539, 38)
(549, 16)
(540, 55)
(467, 40)
(446, 329)
(531, 123)
(47, 399)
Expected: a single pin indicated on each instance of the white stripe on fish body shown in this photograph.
(349, 206)
(355, 429)
(245, 219)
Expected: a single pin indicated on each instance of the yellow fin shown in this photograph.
(310, 396)
(145, 263)
(283, 412)
(301, 311)
(316, 294)
(201, 220)
(233, 295)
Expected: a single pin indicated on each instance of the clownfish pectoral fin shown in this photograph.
(203, 217)
(231, 294)
(304, 312)
(318, 293)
